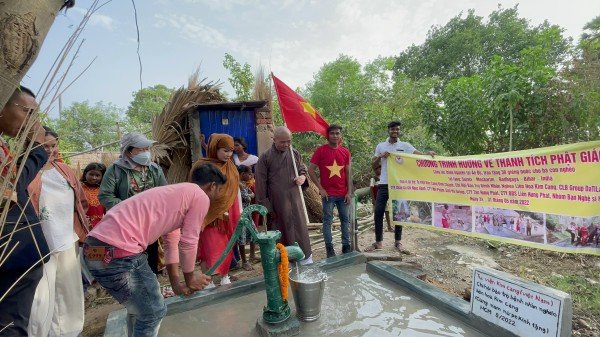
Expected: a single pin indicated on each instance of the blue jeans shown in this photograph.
(131, 282)
(328, 204)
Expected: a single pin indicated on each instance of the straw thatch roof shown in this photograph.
(170, 128)
(171, 131)
(262, 90)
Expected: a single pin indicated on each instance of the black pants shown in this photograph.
(15, 308)
(152, 252)
(380, 204)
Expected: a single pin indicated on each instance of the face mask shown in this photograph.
(142, 158)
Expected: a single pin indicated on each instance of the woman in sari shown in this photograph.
(224, 211)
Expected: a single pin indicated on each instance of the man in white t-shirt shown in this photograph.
(382, 151)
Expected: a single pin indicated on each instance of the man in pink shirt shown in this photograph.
(114, 249)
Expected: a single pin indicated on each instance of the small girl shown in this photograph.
(91, 179)
(247, 193)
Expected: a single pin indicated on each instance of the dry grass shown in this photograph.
(262, 90)
(53, 85)
(312, 199)
(170, 128)
(20, 149)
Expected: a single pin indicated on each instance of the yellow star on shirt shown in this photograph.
(335, 169)
(308, 109)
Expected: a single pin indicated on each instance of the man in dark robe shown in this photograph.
(277, 190)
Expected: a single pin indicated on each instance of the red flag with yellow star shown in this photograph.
(298, 114)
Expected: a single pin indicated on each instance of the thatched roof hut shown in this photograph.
(200, 108)
(171, 130)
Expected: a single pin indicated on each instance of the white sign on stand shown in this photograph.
(524, 308)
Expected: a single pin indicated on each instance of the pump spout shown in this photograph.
(294, 252)
(277, 309)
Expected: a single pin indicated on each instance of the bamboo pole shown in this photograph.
(299, 186)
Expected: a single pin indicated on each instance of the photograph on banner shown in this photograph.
(416, 212)
(508, 223)
(573, 232)
(450, 216)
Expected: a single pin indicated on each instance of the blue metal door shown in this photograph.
(235, 123)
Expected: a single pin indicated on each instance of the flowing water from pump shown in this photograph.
(308, 274)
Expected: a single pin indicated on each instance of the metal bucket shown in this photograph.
(308, 297)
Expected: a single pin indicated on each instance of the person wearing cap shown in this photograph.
(133, 173)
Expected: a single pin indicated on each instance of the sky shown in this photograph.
(291, 38)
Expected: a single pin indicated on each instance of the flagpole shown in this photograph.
(299, 186)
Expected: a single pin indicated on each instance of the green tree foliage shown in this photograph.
(83, 126)
(515, 95)
(590, 39)
(507, 95)
(242, 78)
(363, 100)
(460, 107)
(466, 45)
(342, 93)
(582, 83)
(146, 103)
(510, 106)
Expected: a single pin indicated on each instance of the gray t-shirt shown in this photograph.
(390, 147)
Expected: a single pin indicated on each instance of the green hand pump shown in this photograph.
(277, 309)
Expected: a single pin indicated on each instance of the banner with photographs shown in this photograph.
(546, 198)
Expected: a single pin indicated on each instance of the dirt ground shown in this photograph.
(447, 260)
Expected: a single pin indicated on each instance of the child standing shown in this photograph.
(445, 217)
(91, 179)
(247, 193)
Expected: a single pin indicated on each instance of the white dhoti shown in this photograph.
(58, 305)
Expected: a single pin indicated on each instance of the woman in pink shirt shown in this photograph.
(114, 249)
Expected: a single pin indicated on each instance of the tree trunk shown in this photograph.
(23, 28)
(510, 136)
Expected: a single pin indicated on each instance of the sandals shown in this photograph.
(167, 291)
(373, 248)
(247, 266)
(398, 246)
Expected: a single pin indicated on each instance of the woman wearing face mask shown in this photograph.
(133, 173)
